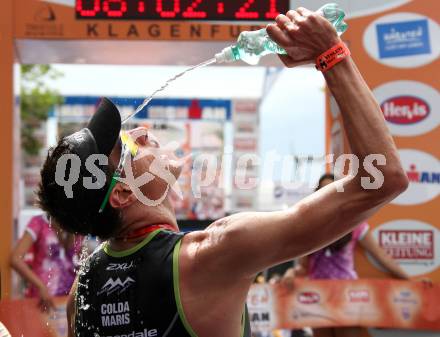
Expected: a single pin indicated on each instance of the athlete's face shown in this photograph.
(153, 169)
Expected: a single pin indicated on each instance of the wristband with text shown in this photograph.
(331, 57)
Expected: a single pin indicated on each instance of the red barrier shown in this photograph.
(23, 318)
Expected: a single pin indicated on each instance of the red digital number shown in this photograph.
(168, 14)
(220, 8)
(191, 13)
(273, 12)
(243, 13)
(88, 12)
(141, 6)
(114, 13)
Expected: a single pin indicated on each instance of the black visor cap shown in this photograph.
(105, 126)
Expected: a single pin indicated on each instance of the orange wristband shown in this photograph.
(332, 57)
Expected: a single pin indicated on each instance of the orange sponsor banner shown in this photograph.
(327, 303)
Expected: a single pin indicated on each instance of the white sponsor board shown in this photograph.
(403, 40)
(413, 244)
(423, 171)
(410, 108)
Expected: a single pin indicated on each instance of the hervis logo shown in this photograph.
(423, 171)
(308, 297)
(405, 110)
(410, 108)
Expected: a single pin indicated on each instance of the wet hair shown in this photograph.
(79, 214)
(342, 242)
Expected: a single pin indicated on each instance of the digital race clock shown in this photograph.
(209, 10)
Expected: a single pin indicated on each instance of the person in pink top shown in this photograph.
(336, 262)
(51, 271)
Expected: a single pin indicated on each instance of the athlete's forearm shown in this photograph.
(363, 120)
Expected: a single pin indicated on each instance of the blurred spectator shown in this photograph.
(55, 254)
(336, 261)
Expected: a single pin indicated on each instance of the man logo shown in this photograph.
(423, 171)
(112, 286)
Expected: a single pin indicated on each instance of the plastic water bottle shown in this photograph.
(251, 46)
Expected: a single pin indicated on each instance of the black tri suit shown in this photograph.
(134, 293)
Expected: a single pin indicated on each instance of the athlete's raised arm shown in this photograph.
(243, 244)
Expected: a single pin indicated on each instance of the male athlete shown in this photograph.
(147, 279)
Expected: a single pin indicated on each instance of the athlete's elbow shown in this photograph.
(385, 186)
(395, 183)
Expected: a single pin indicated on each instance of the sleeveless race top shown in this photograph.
(134, 293)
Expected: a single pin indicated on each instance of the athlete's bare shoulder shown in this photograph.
(206, 286)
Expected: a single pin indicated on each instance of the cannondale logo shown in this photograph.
(112, 286)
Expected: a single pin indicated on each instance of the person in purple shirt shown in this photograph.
(52, 269)
(336, 262)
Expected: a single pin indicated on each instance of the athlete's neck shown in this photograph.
(138, 216)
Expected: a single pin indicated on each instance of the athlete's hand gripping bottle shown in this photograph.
(251, 46)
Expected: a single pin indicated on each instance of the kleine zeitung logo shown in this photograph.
(423, 171)
(414, 244)
(410, 108)
(408, 244)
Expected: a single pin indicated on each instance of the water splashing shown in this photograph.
(83, 265)
(163, 87)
